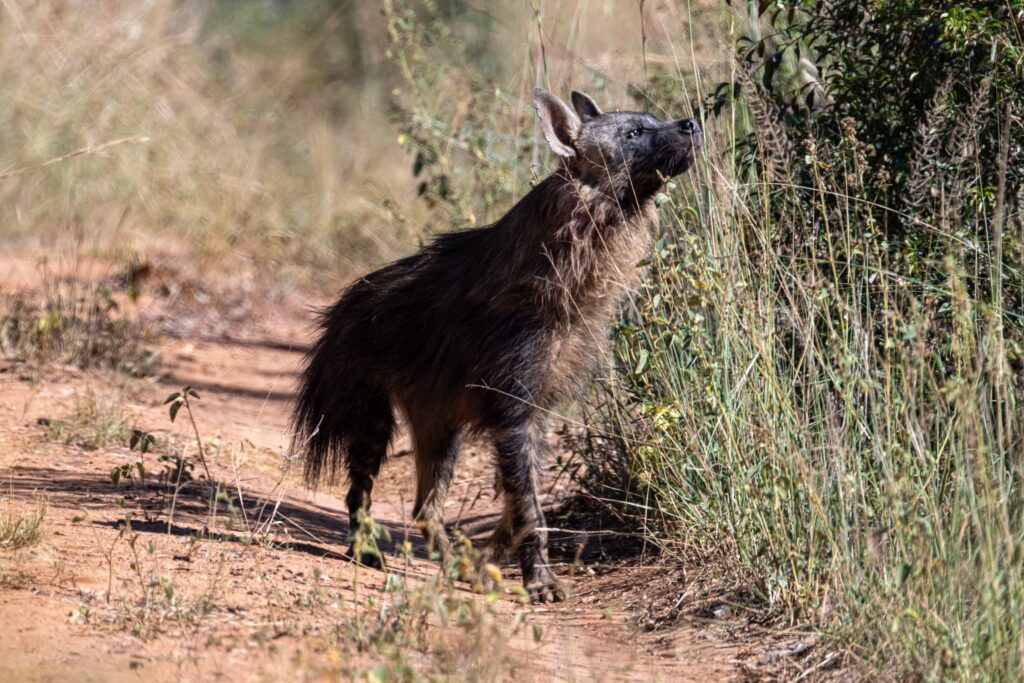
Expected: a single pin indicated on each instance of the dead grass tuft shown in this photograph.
(95, 421)
(81, 329)
(21, 525)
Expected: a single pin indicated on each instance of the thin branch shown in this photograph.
(71, 155)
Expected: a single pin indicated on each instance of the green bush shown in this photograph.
(913, 108)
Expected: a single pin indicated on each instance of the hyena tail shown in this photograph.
(342, 418)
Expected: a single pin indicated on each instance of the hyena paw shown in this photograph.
(543, 588)
(487, 584)
(367, 559)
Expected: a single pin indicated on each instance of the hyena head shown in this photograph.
(624, 153)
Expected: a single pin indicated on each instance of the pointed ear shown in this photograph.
(559, 124)
(585, 107)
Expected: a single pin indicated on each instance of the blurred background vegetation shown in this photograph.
(283, 134)
(817, 392)
(264, 127)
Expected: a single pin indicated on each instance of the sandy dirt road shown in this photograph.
(222, 608)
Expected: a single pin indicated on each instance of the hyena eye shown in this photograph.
(635, 133)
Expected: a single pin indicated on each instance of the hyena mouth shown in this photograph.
(676, 159)
(696, 141)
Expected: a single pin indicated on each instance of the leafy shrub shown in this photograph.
(470, 158)
(912, 107)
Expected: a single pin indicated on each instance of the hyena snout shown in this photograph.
(689, 126)
(690, 134)
(681, 139)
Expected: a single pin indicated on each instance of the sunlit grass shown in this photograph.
(240, 138)
(844, 432)
(21, 524)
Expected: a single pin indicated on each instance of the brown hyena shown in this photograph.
(488, 331)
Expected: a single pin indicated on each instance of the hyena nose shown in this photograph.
(689, 126)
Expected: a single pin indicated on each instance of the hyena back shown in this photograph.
(488, 331)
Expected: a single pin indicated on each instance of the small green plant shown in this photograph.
(175, 402)
(143, 441)
(366, 536)
(157, 599)
(151, 499)
(176, 470)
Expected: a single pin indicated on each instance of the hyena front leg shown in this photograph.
(522, 525)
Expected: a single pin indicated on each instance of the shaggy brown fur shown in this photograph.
(488, 331)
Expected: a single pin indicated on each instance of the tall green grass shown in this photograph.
(793, 397)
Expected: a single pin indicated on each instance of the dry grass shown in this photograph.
(95, 421)
(412, 628)
(242, 143)
(69, 324)
(21, 524)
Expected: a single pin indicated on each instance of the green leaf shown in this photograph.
(903, 573)
(641, 363)
(175, 407)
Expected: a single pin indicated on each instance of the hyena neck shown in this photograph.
(579, 249)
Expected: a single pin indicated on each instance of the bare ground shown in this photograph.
(203, 597)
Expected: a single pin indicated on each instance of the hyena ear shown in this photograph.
(559, 124)
(585, 107)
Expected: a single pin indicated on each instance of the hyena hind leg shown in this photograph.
(366, 453)
(498, 546)
(436, 455)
